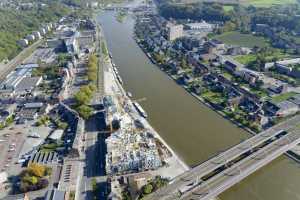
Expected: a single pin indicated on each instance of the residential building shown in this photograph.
(277, 89)
(283, 69)
(232, 66)
(30, 38)
(31, 111)
(249, 76)
(282, 109)
(174, 31)
(283, 62)
(23, 43)
(72, 45)
(37, 35)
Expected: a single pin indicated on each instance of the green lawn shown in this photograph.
(227, 75)
(245, 40)
(268, 3)
(213, 97)
(227, 8)
(245, 59)
(283, 97)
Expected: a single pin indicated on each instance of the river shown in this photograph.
(193, 131)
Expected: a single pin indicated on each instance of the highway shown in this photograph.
(193, 175)
(227, 178)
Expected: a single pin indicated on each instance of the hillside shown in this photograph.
(15, 24)
(256, 3)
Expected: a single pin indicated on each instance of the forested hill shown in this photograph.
(283, 20)
(15, 24)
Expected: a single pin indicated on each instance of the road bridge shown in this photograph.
(206, 190)
(230, 160)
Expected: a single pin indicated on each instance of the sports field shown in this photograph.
(267, 3)
(244, 40)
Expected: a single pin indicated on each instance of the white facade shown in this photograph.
(37, 35)
(202, 26)
(30, 38)
(174, 31)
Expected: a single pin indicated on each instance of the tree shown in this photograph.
(85, 111)
(92, 76)
(229, 26)
(159, 58)
(104, 49)
(184, 64)
(81, 98)
(32, 180)
(147, 189)
(37, 170)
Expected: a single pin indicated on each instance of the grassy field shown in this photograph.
(245, 40)
(246, 59)
(268, 3)
(283, 97)
(228, 8)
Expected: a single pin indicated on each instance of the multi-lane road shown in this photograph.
(94, 159)
(193, 175)
(95, 148)
(247, 166)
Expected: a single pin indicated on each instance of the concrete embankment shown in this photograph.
(176, 164)
(293, 154)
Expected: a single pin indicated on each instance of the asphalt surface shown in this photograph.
(191, 176)
(231, 176)
(95, 150)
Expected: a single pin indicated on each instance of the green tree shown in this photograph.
(37, 170)
(85, 111)
(81, 98)
(147, 189)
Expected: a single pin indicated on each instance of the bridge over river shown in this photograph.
(219, 173)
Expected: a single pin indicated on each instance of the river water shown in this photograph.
(193, 131)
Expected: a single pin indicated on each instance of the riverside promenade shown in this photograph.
(175, 165)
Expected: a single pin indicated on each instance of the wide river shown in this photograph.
(193, 131)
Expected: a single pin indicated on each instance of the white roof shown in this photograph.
(284, 62)
(29, 65)
(34, 105)
(202, 24)
(57, 134)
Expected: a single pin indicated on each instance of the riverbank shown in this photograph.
(293, 153)
(193, 130)
(175, 165)
(200, 99)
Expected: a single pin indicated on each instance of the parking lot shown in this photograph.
(16, 142)
(10, 147)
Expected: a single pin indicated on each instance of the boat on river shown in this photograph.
(139, 108)
(129, 94)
